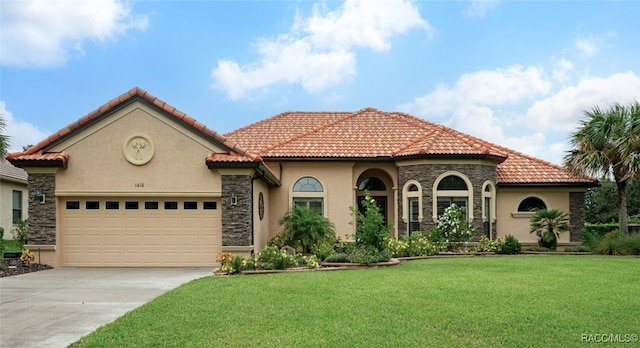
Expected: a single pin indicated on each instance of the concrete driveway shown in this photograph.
(55, 308)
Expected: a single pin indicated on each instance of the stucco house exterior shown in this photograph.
(136, 182)
(13, 196)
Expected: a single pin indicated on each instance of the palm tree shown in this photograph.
(548, 224)
(608, 143)
(305, 227)
(4, 139)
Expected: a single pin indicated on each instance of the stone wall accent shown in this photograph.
(426, 175)
(576, 215)
(42, 217)
(236, 219)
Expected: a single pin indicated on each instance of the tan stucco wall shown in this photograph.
(97, 164)
(6, 204)
(339, 182)
(260, 227)
(518, 225)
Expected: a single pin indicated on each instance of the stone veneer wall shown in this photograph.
(236, 219)
(42, 217)
(576, 215)
(426, 174)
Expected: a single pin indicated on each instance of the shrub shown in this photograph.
(370, 230)
(367, 254)
(538, 248)
(614, 244)
(592, 234)
(323, 250)
(511, 245)
(548, 224)
(398, 248)
(416, 244)
(277, 241)
(307, 261)
(273, 258)
(234, 264)
(305, 227)
(454, 227)
(19, 231)
(578, 249)
(492, 246)
(338, 257)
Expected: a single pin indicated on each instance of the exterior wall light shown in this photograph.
(39, 194)
(234, 199)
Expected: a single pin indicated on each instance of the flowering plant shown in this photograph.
(27, 257)
(454, 226)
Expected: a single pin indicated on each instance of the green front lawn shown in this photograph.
(517, 301)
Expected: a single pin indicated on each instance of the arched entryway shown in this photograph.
(380, 186)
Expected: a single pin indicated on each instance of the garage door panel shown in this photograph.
(140, 237)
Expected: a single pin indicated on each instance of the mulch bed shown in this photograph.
(12, 267)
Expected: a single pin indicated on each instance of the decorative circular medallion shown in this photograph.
(261, 206)
(138, 149)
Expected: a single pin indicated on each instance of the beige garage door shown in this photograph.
(140, 231)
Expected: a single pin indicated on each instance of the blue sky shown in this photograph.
(517, 73)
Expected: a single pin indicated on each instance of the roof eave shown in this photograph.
(260, 168)
(493, 158)
(57, 163)
(549, 184)
(385, 159)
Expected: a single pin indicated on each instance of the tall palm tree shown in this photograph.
(608, 143)
(548, 224)
(4, 139)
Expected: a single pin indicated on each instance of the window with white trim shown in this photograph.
(17, 206)
(531, 204)
(412, 205)
(488, 208)
(452, 188)
(308, 192)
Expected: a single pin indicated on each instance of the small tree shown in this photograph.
(20, 232)
(371, 230)
(305, 228)
(548, 224)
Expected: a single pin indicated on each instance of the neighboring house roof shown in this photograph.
(9, 172)
(38, 155)
(371, 134)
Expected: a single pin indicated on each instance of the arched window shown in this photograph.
(452, 188)
(412, 205)
(531, 204)
(372, 184)
(308, 192)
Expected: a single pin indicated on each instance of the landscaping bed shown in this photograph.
(12, 267)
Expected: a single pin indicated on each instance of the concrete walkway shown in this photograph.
(55, 308)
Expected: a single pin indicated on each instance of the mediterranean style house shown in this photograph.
(13, 193)
(138, 183)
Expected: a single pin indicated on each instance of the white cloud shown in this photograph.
(565, 108)
(480, 8)
(320, 50)
(497, 87)
(562, 69)
(587, 47)
(21, 133)
(44, 33)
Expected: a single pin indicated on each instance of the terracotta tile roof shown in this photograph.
(39, 154)
(13, 173)
(371, 133)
